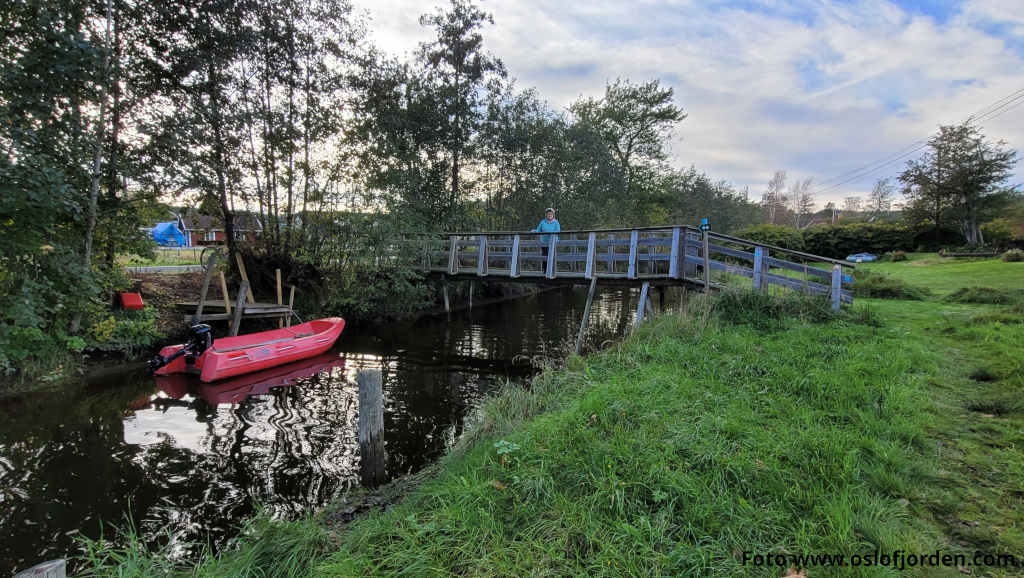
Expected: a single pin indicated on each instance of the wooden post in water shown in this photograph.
(239, 307)
(224, 293)
(837, 285)
(586, 312)
(641, 306)
(277, 277)
(447, 306)
(371, 427)
(291, 305)
(206, 287)
(470, 294)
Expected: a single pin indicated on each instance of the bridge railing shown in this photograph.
(679, 254)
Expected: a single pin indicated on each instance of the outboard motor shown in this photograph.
(199, 340)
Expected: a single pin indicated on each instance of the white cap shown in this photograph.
(549, 209)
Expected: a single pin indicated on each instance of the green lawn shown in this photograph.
(707, 436)
(163, 257)
(943, 276)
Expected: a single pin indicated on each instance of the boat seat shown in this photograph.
(251, 345)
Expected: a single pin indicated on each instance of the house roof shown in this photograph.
(194, 221)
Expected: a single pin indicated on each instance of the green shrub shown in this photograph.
(986, 295)
(876, 285)
(1013, 256)
(998, 232)
(838, 241)
(785, 237)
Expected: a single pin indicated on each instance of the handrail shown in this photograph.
(667, 228)
(842, 262)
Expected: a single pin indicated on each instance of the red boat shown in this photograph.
(231, 356)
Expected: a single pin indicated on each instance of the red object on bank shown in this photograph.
(231, 356)
(130, 300)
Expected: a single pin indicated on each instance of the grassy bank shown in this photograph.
(779, 430)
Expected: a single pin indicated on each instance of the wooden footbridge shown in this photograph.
(642, 257)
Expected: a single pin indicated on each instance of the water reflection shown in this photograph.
(191, 460)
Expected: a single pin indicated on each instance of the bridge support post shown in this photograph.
(471, 295)
(481, 259)
(552, 257)
(837, 285)
(586, 312)
(642, 305)
(447, 306)
(453, 256)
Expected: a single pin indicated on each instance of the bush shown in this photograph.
(1013, 256)
(998, 232)
(986, 295)
(838, 241)
(785, 237)
(872, 284)
(896, 256)
(127, 331)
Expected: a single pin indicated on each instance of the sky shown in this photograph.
(818, 89)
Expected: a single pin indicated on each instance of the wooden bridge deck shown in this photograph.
(674, 255)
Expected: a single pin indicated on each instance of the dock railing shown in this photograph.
(668, 255)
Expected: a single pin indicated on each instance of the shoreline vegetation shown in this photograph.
(746, 424)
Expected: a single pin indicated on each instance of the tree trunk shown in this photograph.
(220, 160)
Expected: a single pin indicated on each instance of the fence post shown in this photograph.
(481, 262)
(837, 285)
(634, 236)
(758, 261)
(673, 257)
(707, 263)
(453, 256)
(591, 253)
(514, 267)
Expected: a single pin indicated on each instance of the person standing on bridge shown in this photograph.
(548, 225)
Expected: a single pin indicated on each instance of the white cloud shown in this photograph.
(816, 89)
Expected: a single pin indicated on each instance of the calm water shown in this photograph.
(188, 461)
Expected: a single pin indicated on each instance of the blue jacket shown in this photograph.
(546, 227)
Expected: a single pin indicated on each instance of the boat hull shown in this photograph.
(231, 356)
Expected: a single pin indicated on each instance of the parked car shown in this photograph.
(862, 257)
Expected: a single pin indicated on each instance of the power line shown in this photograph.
(986, 113)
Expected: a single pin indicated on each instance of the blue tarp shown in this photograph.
(168, 235)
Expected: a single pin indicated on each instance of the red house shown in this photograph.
(209, 229)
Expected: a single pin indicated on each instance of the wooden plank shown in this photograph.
(731, 252)
(758, 264)
(206, 284)
(631, 270)
(824, 274)
(673, 260)
(277, 277)
(641, 305)
(514, 269)
(291, 305)
(731, 268)
(481, 257)
(245, 277)
(243, 287)
(591, 253)
(224, 293)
